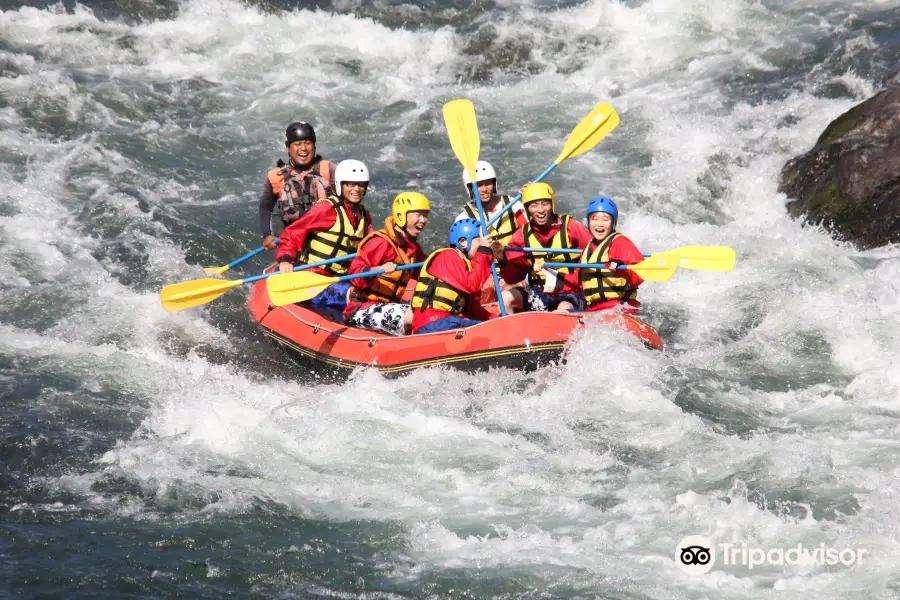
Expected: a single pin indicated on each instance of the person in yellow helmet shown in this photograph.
(545, 229)
(376, 302)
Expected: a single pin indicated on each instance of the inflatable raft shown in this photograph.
(319, 340)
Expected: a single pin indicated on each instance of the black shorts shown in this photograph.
(537, 300)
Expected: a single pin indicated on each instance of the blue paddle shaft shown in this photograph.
(519, 196)
(247, 256)
(484, 232)
(545, 250)
(301, 267)
(582, 265)
(377, 272)
(551, 250)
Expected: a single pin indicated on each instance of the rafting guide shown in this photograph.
(696, 555)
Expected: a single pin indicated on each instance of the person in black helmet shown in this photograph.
(291, 189)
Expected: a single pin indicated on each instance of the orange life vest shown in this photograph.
(298, 191)
(385, 288)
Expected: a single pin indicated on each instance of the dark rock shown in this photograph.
(850, 181)
(136, 11)
(489, 54)
(128, 11)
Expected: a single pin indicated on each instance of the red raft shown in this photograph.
(525, 341)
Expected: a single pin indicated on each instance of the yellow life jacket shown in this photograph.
(506, 225)
(431, 292)
(385, 288)
(340, 240)
(560, 240)
(601, 285)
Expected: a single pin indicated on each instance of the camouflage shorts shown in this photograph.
(387, 318)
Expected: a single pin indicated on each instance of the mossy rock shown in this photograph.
(849, 182)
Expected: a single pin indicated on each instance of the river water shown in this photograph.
(149, 454)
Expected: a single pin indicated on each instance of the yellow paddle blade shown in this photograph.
(215, 270)
(462, 129)
(179, 296)
(659, 267)
(593, 128)
(705, 258)
(653, 273)
(299, 286)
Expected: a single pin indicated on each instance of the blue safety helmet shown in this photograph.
(604, 205)
(464, 228)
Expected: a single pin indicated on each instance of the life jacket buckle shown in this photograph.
(316, 328)
(372, 342)
(460, 333)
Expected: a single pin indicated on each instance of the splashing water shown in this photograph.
(154, 453)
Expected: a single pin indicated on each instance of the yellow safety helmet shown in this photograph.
(407, 201)
(538, 191)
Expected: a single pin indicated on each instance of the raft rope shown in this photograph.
(318, 327)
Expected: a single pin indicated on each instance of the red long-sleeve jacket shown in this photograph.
(321, 217)
(450, 268)
(620, 249)
(372, 255)
(518, 266)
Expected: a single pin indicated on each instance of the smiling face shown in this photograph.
(415, 222)
(540, 212)
(353, 191)
(600, 225)
(302, 151)
(486, 190)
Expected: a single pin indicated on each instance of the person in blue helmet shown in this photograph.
(447, 293)
(607, 288)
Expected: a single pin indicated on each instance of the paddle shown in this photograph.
(187, 294)
(290, 288)
(699, 258)
(706, 258)
(659, 267)
(587, 134)
(234, 263)
(462, 129)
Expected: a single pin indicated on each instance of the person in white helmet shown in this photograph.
(330, 229)
(492, 203)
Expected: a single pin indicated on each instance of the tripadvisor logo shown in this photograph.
(696, 555)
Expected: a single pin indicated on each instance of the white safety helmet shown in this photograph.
(349, 170)
(483, 171)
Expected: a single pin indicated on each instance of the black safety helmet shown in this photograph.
(299, 130)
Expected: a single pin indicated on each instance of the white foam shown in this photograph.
(594, 469)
